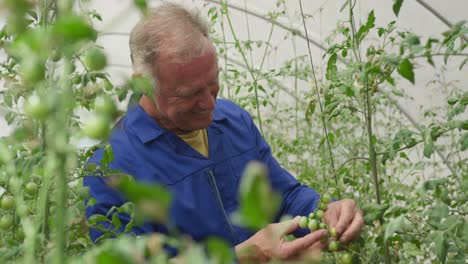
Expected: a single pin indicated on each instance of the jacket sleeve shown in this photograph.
(297, 199)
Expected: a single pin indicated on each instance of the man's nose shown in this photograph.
(207, 102)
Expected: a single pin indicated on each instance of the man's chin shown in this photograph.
(202, 124)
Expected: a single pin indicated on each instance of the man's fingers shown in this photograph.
(298, 245)
(290, 226)
(348, 209)
(331, 216)
(354, 228)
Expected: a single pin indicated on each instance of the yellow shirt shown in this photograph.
(198, 140)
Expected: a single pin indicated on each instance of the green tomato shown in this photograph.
(6, 222)
(311, 215)
(97, 127)
(35, 107)
(95, 59)
(108, 85)
(333, 246)
(326, 198)
(319, 214)
(323, 206)
(323, 226)
(30, 188)
(22, 210)
(346, 258)
(55, 55)
(313, 225)
(83, 193)
(105, 105)
(303, 222)
(332, 232)
(76, 79)
(7, 202)
(33, 70)
(70, 68)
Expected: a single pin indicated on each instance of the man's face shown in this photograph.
(187, 91)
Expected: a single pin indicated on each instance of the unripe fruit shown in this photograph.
(35, 107)
(7, 202)
(333, 246)
(311, 215)
(303, 222)
(6, 222)
(105, 105)
(313, 225)
(83, 193)
(323, 226)
(97, 127)
(95, 59)
(55, 55)
(346, 258)
(326, 198)
(323, 206)
(319, 214)
(333, 232)
(31, 188)
(33, 70)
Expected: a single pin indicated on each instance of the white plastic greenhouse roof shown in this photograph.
(425, 17)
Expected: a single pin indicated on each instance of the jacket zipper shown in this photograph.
(220, 203)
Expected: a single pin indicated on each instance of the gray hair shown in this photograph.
(170, 28)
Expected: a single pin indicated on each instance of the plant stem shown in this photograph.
(370, 134)
(324, 123)
(251, 71)
(61, 203)
(368, 115)
(225, 58)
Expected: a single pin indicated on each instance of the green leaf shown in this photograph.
(219, 251)
(259, 203)
(8, 100)
(381, 31)
(310, 110)
(152, 200)
(142, 85)
(331, 68)
(464, 141)
(373, 212)
(463, 64)
(437, 213)
(97, 218)
(441, 245)
(116, 221)
(428, 148)
(458, 109)
(393, 226)
(370, 20)
(396, 6)
(142, 5)
(406, 70)
(73, 29)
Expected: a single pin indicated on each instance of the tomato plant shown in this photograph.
(344, 132)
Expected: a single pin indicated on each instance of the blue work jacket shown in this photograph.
(204, 190)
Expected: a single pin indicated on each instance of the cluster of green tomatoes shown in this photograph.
(7, 203)
(314, 221)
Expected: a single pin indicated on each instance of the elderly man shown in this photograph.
(197, 146)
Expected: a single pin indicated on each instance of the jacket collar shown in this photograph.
(147, 129)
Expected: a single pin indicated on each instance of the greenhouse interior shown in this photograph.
(216, 131)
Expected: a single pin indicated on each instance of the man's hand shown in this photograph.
(346, 218)
(269, 243)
